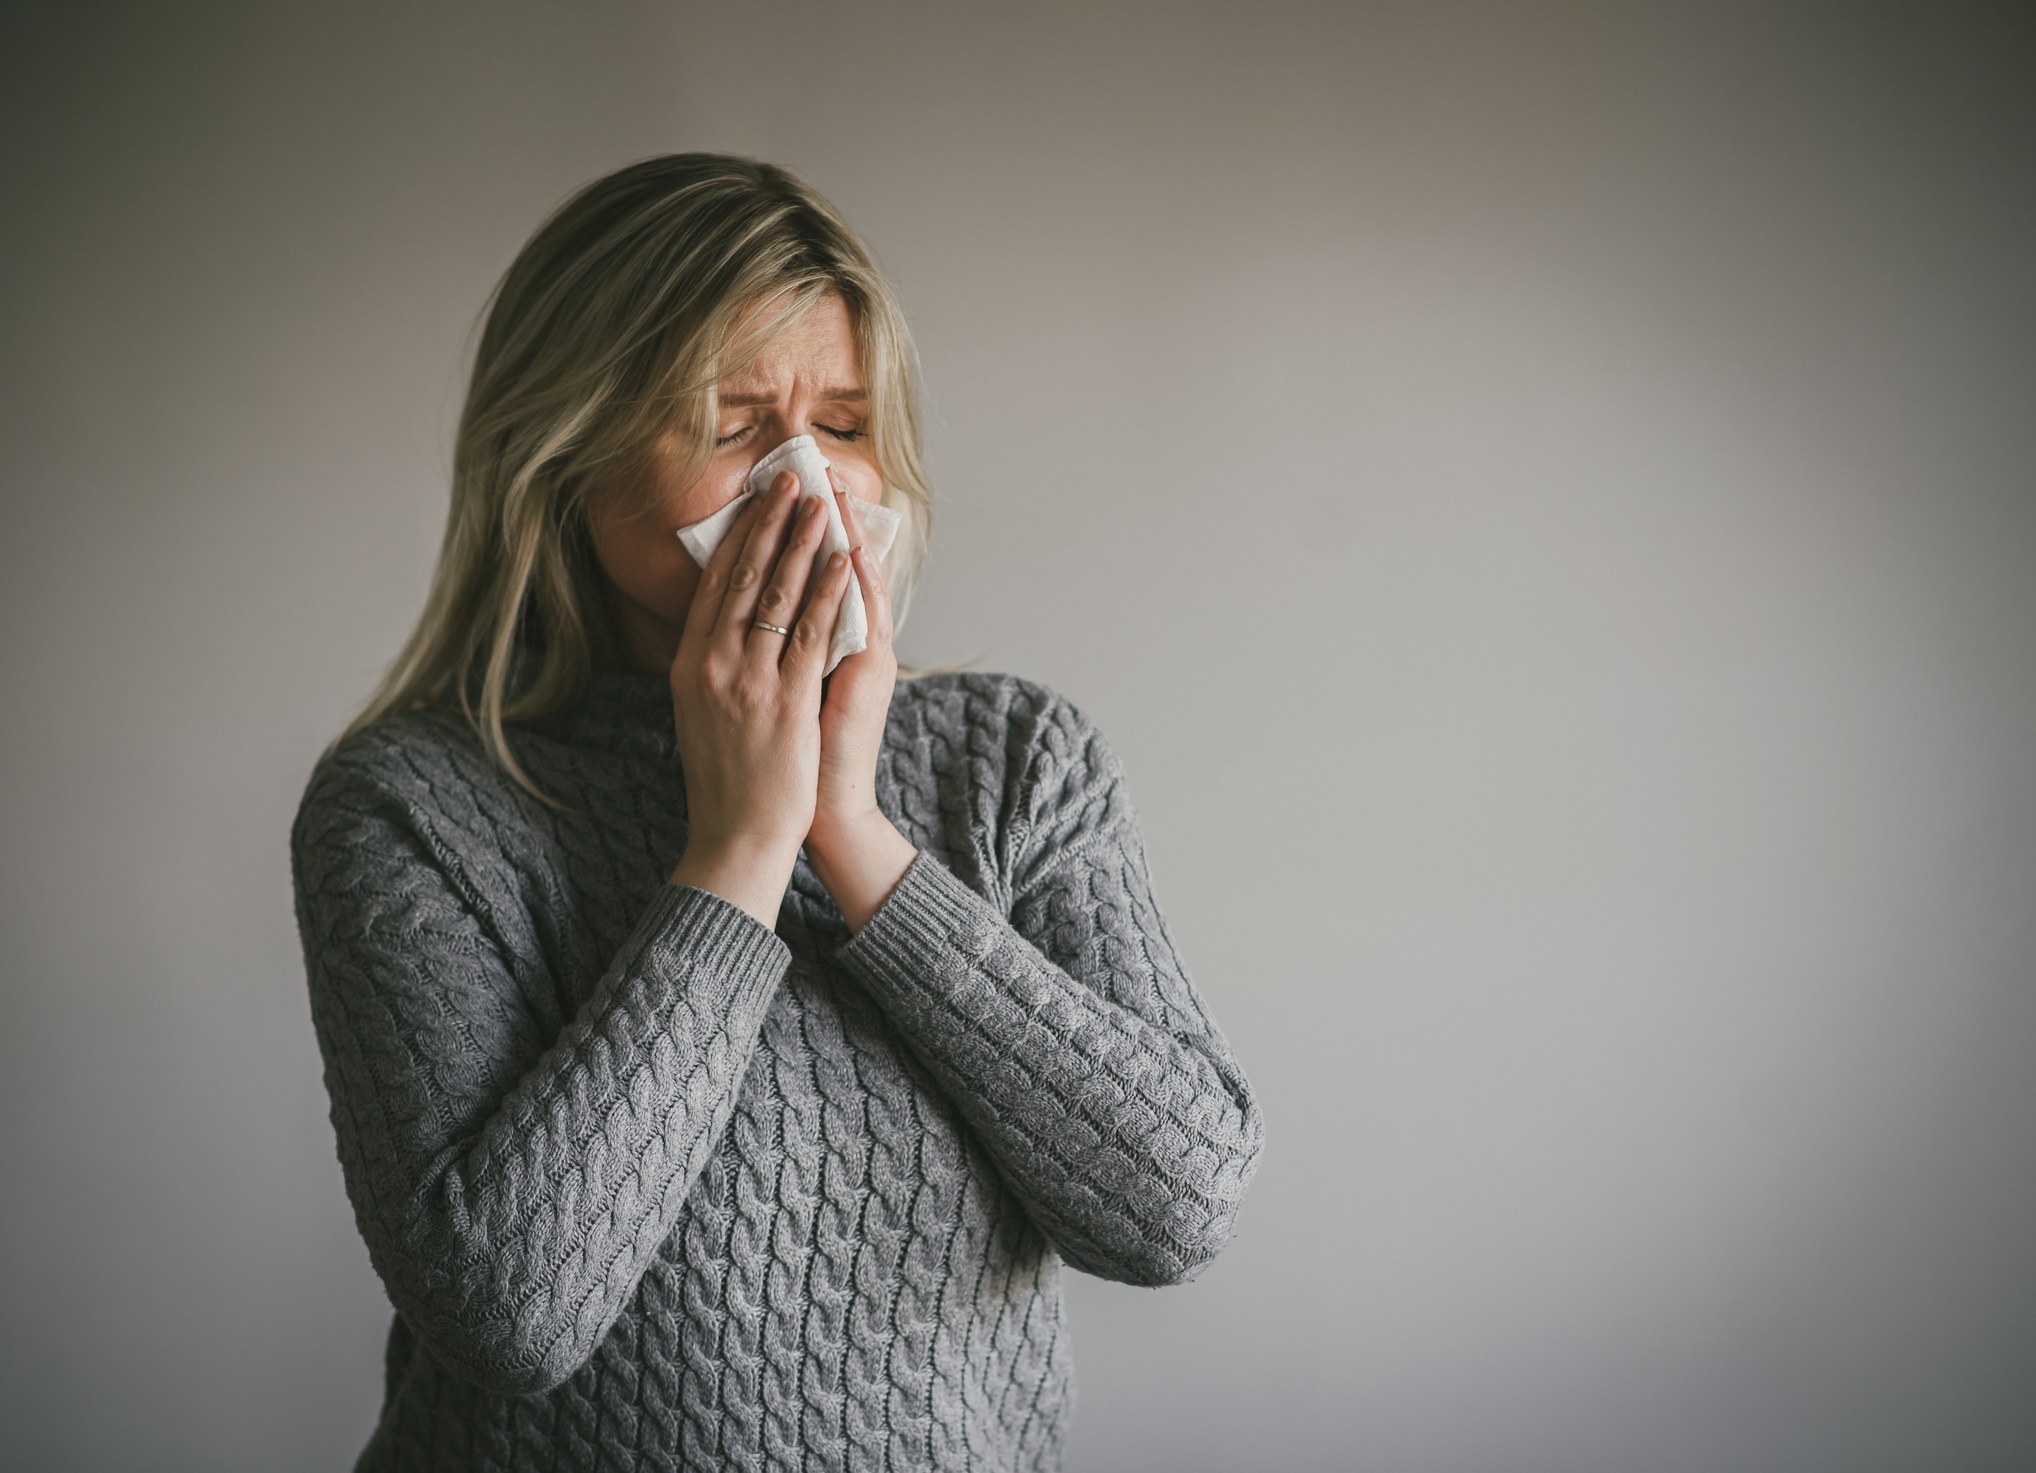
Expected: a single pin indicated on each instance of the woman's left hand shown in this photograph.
(856, 851)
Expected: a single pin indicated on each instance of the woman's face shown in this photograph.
(808, 381)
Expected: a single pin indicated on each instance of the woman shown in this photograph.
(724, 1056)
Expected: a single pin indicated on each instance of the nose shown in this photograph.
(779, 430)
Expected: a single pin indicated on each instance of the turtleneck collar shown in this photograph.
(616, 712)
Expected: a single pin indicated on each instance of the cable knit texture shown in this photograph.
(651, 1187)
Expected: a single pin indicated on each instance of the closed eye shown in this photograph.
(733, 437)
(847, 437)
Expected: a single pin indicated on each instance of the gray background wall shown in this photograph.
(1543, 498)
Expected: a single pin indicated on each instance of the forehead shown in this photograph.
(816, 346)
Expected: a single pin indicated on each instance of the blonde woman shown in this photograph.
(725, 1056)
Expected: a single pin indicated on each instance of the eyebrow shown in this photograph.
(825, 396)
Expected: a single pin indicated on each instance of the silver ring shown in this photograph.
(760, 624)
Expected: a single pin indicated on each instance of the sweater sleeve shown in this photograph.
(1069, 1033)
(511, 1186)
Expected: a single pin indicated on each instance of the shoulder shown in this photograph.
(1011, 723)
(1019, 758)
(410, 752)
(423, 772)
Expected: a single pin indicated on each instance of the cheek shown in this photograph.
(721, 485)
(645, 562)
(859, 475)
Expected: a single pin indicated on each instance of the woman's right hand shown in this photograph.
(746, 701)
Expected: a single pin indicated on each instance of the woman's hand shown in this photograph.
(746, 700)
(856, 851)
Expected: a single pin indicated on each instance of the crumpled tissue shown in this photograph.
(802, 457)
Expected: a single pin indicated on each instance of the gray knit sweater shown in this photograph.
(653, 1187)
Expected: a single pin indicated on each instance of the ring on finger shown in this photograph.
(766, 624)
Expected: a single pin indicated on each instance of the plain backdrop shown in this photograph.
(1542, 497)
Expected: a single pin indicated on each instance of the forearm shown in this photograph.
(1131, 1145)
(512, 1244)
(860, 863)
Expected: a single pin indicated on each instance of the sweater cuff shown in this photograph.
(694, 933)
(926, 919)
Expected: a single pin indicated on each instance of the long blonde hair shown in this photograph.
(608, 332)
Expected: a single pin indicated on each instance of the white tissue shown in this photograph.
(801, 456)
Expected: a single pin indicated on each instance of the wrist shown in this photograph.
(860, 860)
(748, 871)
(840, 836)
